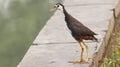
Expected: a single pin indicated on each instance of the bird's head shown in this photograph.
(58, 6)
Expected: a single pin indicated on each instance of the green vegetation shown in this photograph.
(20, 23)
(112, 59)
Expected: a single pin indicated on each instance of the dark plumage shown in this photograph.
(79, 31)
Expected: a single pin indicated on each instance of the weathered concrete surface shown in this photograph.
(113, 27)
(55, 44)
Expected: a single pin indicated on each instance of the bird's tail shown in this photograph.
(95, 39)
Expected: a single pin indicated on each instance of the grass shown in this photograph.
(112, 58)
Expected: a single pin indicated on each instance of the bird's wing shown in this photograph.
(78, 28)
(82, 29)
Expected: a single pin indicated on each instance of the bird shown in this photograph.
(78, 31)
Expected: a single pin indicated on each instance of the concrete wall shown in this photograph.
(55, 45)
(114, 26)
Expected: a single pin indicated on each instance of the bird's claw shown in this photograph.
(78, 62)
(89, 59)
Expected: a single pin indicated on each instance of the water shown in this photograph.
(20, 22)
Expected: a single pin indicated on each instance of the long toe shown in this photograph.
(89, 59)
(78, 62)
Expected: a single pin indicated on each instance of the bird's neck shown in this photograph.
(64, 10)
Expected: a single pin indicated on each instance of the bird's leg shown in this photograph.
(88, 56)
(82, 51)
(81, 61)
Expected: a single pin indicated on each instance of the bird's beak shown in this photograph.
(53, 9)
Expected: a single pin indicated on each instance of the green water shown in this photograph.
(20, 22)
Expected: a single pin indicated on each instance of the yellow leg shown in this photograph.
(88, 56)
(81, 61)
(82, 51)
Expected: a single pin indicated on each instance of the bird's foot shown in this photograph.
(78, 62)
(89, 59)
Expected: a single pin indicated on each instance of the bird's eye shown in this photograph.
(57, 5)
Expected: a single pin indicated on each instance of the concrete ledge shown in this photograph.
(117, 9)
(55, 44)
(112, 27)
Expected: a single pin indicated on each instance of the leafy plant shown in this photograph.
(113, 57)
